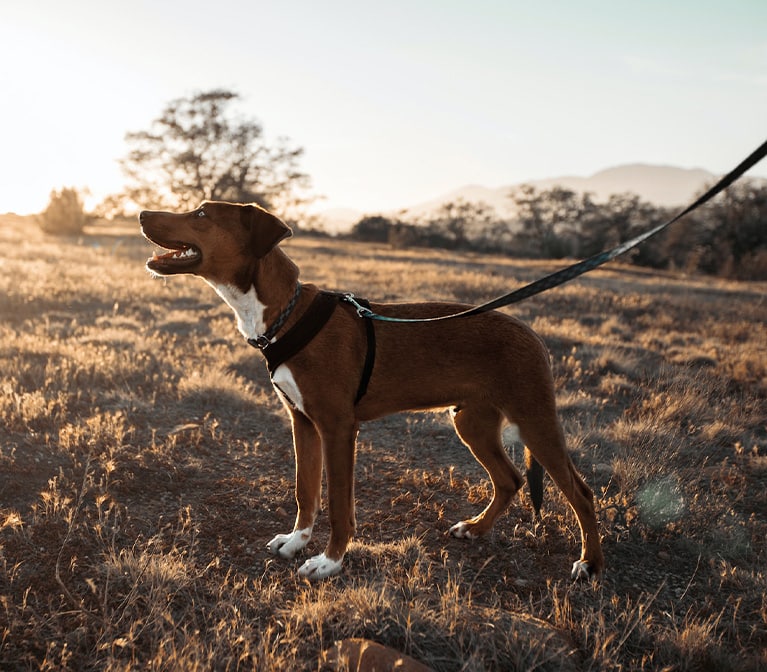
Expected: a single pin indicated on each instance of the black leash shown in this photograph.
(567, 274)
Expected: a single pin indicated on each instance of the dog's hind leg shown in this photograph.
(338, 450)
(546, 442)
(308, 451)
(479, 427)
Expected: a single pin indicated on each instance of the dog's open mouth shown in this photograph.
(180, 257)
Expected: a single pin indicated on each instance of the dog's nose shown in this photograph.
(142, 217)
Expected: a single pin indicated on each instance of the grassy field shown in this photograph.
(145, 462)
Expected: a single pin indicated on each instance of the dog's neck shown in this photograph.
(271, 287)
(248, 310)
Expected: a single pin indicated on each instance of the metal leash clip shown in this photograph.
(361, 310)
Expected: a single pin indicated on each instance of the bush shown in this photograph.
(373, 229)
(65, 214)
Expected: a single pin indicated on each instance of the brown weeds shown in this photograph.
(145, 463)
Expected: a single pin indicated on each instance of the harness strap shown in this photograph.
(314, 318)
(370, 354)
(301, 333)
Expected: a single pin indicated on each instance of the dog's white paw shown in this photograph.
(462, 530)
(287, 545)
(581, 571)
(319, 567)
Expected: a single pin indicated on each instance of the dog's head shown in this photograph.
(218, 241)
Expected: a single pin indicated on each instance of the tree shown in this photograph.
(728, 237)
(739, 219)
(198, 150)
(548, 219)
(372, 229)
(605, 225)
(64, 214)
(456, 223)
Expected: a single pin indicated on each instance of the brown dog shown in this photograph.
(333, 370)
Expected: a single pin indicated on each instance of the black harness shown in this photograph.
(307, 327)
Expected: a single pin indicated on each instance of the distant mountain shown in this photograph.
(661, 185)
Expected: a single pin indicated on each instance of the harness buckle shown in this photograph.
(261, 342)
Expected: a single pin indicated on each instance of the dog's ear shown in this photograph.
(266, 230)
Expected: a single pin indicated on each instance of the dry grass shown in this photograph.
(145, 464)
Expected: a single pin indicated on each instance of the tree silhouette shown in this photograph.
(605, 225)
(456, 223)
(372, 229)
(198, 150)
(548, 219)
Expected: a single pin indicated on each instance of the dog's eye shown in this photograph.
(201, 213)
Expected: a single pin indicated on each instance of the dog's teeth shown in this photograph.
(182, 254)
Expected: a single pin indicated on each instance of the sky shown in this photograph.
(394, 103)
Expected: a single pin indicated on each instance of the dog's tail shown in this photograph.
(534, 480)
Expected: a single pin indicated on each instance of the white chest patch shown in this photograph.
(248, 309)
(250, 321)
(287, 388)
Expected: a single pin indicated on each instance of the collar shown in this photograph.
(262, 341)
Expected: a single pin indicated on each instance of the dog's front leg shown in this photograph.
(308, 452)
(338, 448)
